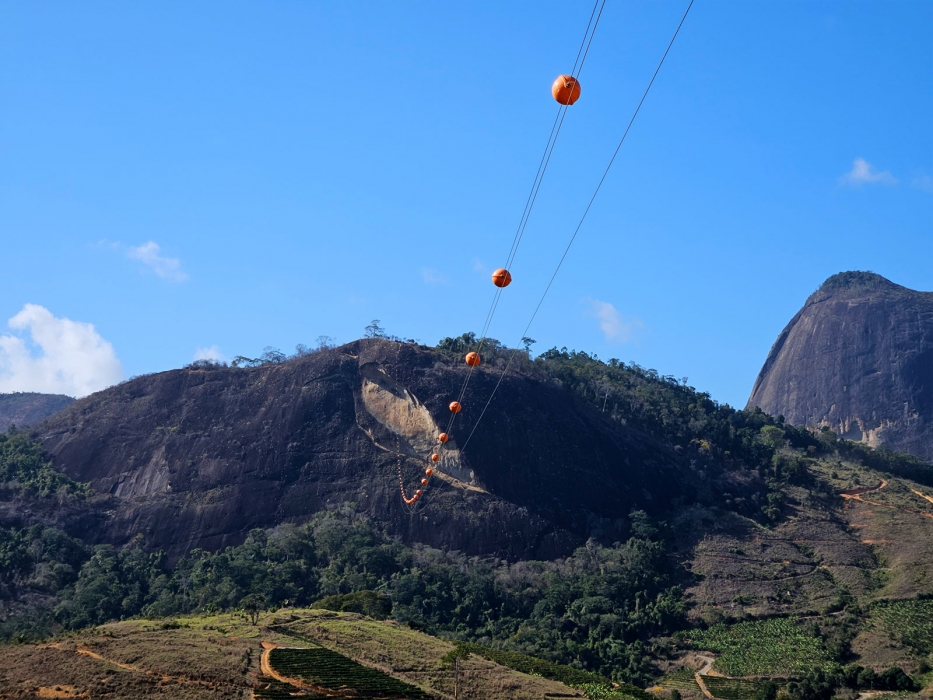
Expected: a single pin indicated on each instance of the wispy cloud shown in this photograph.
(864, 173)
(432, 276)
(72, 357)
(479, 265)
(923, 182)
(614, 326)
(212, 353)
(149, 254)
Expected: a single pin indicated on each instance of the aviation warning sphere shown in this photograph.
(566, 89)
(472, 359)
(443, 437)
(455, 407)
(501, 277)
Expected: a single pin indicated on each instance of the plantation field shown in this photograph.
(270, 689)
(775, 647)
(910, 622)
(328, 669)
(733, 688)
(682, 680)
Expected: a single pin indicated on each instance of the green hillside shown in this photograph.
(824, 534)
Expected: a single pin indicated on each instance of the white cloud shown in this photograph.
(613, 325)
(479, 265)
(73, 358)
(166, 268)
(431, 276)
(863, 173)
(212, 353)
(923, 182)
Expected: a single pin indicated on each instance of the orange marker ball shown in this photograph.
(501, 277)
(455, 407)
(443, 437)
(472, 359)
(429, 472)
(418, 493)
(435, 457)
(424, 482)
(566, 89)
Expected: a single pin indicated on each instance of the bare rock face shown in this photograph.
(197, 457)
(27, 408)
(858, 358)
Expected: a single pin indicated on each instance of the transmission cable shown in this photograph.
(580, 223)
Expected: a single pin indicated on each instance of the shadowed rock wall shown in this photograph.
(198, 457)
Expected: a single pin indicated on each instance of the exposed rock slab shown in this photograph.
(858, 358)
(197, 457)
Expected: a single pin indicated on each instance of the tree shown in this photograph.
(527, 343)
(243, 361)
(272, 355)
(452, 658)
(253, 604)
(374, 330)
(325, 342)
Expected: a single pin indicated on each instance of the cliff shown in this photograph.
(858, 358)
(197, 457)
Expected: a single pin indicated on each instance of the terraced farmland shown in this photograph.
(270, 689)
(733, 688)
(775, 647)
(908, 621)
(327, 669)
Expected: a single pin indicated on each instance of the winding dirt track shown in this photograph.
(856, 495)
(266, 668)
(84, 651)
(698, 676)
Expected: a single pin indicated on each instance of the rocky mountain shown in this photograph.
(858, 358)
(29, 408)
(196, 457)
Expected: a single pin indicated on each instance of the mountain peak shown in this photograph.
(857, 281)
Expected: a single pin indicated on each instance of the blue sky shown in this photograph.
(230, 176)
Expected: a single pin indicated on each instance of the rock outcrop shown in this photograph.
(858, 358)
(199, 456)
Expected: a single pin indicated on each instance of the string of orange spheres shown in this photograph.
(566, 90)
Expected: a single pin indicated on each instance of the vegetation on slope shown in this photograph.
(24, 466)
(775, 647)
(602, 610)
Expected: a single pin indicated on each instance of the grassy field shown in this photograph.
(775, 647)
(217, 656)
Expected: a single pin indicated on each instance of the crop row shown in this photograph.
(909, 622)
(733, 688)
(764, 647)
(270, 689)
(328, 669)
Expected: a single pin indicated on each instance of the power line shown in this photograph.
(582, 219)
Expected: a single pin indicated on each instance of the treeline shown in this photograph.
(595, 610)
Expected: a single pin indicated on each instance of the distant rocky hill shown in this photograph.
(197, 457)
(858, 358)
(29, 408)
